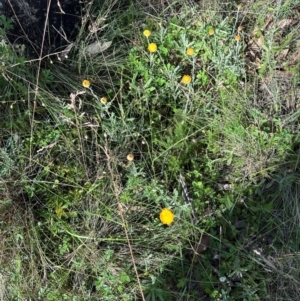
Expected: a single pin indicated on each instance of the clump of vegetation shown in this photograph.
(159, 163)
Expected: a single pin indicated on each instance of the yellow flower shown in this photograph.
(240, 28)
(152, 47)
(239, 6)
(166, 216)
(86, 83)
(211, 31)
(103, 100)
(237, 37)
(186, 79)
(130, 157)
(189, 51)
(147, 33)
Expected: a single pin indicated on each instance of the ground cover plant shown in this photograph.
(155, 157)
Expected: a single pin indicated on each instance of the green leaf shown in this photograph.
(6, 23)
(124, 278)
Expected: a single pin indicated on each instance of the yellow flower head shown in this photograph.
(211, 31)
(240, 28)
(186, 79)
(189, 51)
(152, 47)
(103, 100)
(86, 83)
(166, 216)
(237, 37)
(239, 6)
(147, 33)
(130, 157)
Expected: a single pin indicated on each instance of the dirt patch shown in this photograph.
(42, 28)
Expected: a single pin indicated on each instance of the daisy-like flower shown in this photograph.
(237, 37)
(147, 33)
(166, 216)
(152, 47)
(186, 79)
(130, 157)
(211, 31)
(86, 83)
(103, 100)
(189, 51)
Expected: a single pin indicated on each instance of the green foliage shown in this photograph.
(156, 291)
(80, 218)
(6, 24)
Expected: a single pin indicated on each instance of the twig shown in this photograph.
(117, 186)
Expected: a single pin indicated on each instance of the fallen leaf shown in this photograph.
(294, 59)
(97, 47)
(282, 54)
(283, 23)
(202, 245)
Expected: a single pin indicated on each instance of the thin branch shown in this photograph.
(117, 186)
